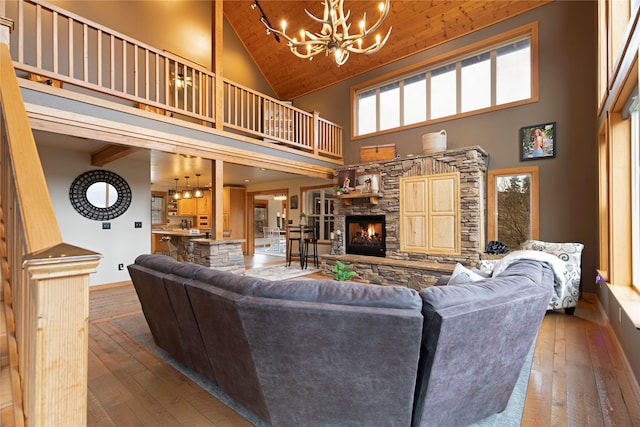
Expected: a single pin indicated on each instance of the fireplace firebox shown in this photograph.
(365, 235)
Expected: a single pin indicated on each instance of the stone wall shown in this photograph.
(470, 162)
(219, 254)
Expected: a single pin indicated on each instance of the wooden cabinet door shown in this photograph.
(430, 213)
(186, 207)
(443, 206)
(204, 204)
(413, 214)
(234, 212)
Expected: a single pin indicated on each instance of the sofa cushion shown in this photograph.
(161, 263)
(228, 281)
(344, 293)
(518, 276)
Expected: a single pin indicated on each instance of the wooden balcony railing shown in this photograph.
(55, 44)
(45, 282)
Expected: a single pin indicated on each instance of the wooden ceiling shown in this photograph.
(417, 26)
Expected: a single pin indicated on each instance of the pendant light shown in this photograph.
(198, 193)
(186, 194)
(176, 193)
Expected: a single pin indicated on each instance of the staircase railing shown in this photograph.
(47, 280)
(60, 48)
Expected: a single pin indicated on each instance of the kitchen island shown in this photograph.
(194, 246)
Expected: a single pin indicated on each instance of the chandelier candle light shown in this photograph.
(334, 36)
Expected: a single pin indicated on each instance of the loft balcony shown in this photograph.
(84, 62)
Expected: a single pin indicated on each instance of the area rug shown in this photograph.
(280, 271)
(136, 327)
(268, 250)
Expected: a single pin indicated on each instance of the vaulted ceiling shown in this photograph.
(417, 26)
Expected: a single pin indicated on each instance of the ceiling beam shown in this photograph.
(110, 153)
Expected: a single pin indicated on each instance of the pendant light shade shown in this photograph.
(198, 192)
(186, 194)
(176, 193)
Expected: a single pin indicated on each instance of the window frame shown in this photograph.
(447, 59)
(631, 112)
(492, 206)
(323, 218)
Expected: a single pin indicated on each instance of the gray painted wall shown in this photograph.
(122, 243)
(568, 183)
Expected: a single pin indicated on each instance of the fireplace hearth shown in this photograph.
(365, 235)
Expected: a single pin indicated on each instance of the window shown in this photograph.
(630, 111)
(512, 206)
(488, 75)
(318, 205)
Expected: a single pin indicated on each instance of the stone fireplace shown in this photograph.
(365, 235)
(417, 269)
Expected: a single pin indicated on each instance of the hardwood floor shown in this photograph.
(579, 376)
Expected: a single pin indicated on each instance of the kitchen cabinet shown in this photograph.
(187, 207)
(203, 205)
(234, 202)
(195, 206)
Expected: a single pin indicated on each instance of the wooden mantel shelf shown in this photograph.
(358, 194)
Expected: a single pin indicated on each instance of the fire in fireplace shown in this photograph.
(365, 234)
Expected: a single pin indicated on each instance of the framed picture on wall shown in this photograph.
(347, 179)
(368, 183)
(293, 202)
(538, 141)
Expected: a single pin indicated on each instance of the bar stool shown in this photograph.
(295, 235)
(311, 237)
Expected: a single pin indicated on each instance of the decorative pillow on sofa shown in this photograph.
(461, 274)
(486, 265)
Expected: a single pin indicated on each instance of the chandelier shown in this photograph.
(280, 196)
(334, 36)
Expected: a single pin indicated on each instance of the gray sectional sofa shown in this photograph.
(326, 353)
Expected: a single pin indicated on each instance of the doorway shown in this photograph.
(268, 209)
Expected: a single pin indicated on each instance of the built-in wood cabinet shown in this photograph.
(195, 206)
(234, 202)
(430, 213)
(187, 207)
(203, 204)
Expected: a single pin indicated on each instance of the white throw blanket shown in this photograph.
(557, 265)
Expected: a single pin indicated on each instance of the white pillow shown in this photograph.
(461, 274)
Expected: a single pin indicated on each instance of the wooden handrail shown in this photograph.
(45, 281)
(25, 163)
(102, 60)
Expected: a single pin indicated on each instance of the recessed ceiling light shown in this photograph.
(246, 180)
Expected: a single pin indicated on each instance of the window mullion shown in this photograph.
(428, 94)
(378, 109)
(494, 77)
(458, 87)
(401, 100)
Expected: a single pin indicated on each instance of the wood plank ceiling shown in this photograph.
(417, 26)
